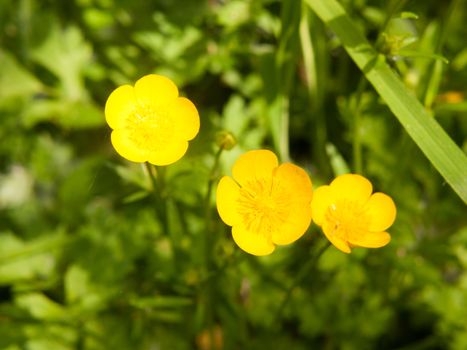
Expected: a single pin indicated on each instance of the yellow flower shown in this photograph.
(265, 203)
(350, 216)
(150, 122)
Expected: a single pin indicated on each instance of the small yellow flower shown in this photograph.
(266, 204)
(150, 122)
(350, 216)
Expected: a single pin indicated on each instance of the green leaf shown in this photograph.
(78, 187)
(338, 164)
(408, 15)
(65, 54)
(81, 292)
(438, 147)
(66, 113)
(14, 79)
(414, 53)
(76, 283)
(161, 302)
(21, 261)
(42, 307)
(232, 110)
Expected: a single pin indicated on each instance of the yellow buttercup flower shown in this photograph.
(266, 204)
(350, 216)
(150, 122)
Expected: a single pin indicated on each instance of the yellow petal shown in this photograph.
(168, 154)
(381, 211)
(155, 90)
(295, 226)
(292, 189)
(185, 117)
(251, 242)
(370, 239)
(294, 179)
(126, 148)
(323, 197)
(254, 165)
(338, 242)
(119, 106)
(226, 198)
(352, 187)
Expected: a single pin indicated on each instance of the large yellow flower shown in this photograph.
(150, 122)
(266, 204)
(350, 215)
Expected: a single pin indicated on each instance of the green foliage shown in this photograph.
(92, 257)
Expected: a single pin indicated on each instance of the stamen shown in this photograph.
(345, 218)
(150, 129)
(264, 208)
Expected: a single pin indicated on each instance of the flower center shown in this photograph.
(345, 218)
(264, 208)
(149, 129)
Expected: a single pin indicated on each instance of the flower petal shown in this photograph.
(295, 226)
(338, 242)
(126, 148)
(169, 154)
(370, 239)
(155, 90)
(292, 189)
(352, 187)
(254, 165)
(251, 242)
(381, 211)
(294, 179)
(227, 195)
(185, 116)
(119, 105)
(323, 197)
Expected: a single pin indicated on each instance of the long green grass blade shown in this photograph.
(438, 147)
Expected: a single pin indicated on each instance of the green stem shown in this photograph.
(229, 261)
(285, 65)
(357, 141)
(208, 210)
(152, 176)
(207, 291)
(306, 269)
(211, 180)
(436, 68)
(284, 135)
(208, 233)
(34, 248)
(157, 177)
(391, 11)
(315, 78)
(362, 85)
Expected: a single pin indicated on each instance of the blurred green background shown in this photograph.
(86, 264)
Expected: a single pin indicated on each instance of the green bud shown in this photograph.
(225, 140)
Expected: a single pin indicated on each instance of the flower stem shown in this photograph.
(357, 142)
(157, 177)
(208, 236)
(208, 293)
(306, 270)
(211, 180)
